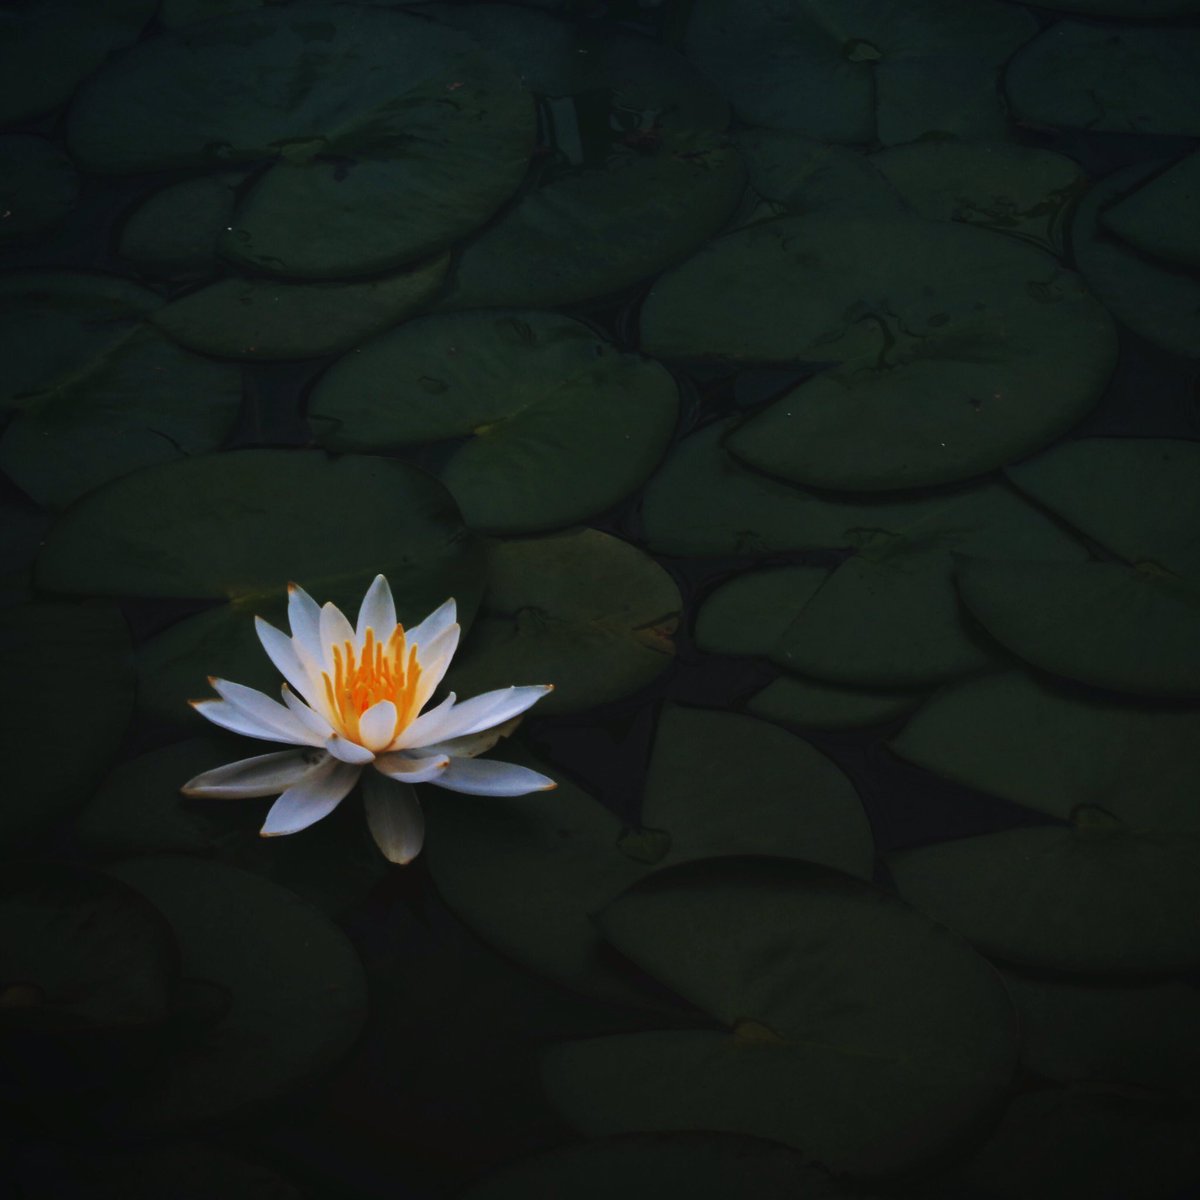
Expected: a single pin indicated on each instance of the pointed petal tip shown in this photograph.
(549, 787)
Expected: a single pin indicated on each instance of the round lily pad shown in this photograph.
(1106, 78)
(264, 319)
(809, 702)
(385, 137)
(1019, 190)
(632, 174)
(948, 350)
(38, 185)
(1140, 1036)
(175, 231)
(560, 424)
(1157, 300)
(864, 71)
(295, 990)
(100, 403)
(526, 873)
(1096, 895)
(582, 610)
(852, 1029)
(139, 809)
(1054, 749)
(1157, 217)
(1107, 624)
(51, 651)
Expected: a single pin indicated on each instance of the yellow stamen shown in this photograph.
(382, 672)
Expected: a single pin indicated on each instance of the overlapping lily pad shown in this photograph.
(173, 13)
(238, 527)
(54, 751)
(809, 702)
(1131, 79)
(528, 872)
(385, 138)
(865, 71)
(293, 988)
(582, 610)
(176, 230)
(850, 1027)
(259, 319)
(949, 350)
(561, 425)
(634, 170)
(749, 613)
(99, 393)
(1158, 217)
(38, 185)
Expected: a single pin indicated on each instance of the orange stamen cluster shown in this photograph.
(383, 672)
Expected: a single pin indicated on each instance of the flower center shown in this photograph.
(385, 671)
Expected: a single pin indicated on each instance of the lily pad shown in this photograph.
(1139, 9)
(1147, 1036)
(1105, 78)
(385, 138)
(527, 873)
(808, 702)
(750, 613)
(947, 350)
(47, 648)
(852, 1029)
(1018, 190)
(1107, 624)
(173, 13)
(38, 185)
(175, 231)
(138, 809)
(582, 610)
(1053, 749)
(634, 170)
(560, 424)
(1157, 300)
(864, 71)
(102, 401)
(295, 989)
(259, 319)
(1157, 218)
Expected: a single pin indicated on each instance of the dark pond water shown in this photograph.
(808, 391)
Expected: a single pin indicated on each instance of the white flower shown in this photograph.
(355, 700)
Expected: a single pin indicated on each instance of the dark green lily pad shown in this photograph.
(526, 873)
(1107, 624)
(1138, 9)
(749, 613)
(50, 650)
(38, 185)
(808, 702)
(1019, 190)
(22, 528)
(138, 809)
(1097, 895)
(560, 424)
(582, 610)
(949, 350)
(1053, 750)
(295, 989)
(1157, 300)
(99, 393)
(852, 1030)
(1158, 218)
(634, 171)
(173, 13)
(388, 137)
(175, 231)
(1147, 1036)
(1100, 77)
(41, 67)
(702, 1166)
(864, 71)
(264, 319)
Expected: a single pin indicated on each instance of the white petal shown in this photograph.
(307, 717)
(335, 630)
(437, 621)
(347, 751)
(472, 744)
(490, 708)
(486, 777)
(378, 611)
(268, 714)
(410, 769)
(395, 818)
(264, 775)
(377, 726)
(425, 728)
(229, 716)
(434, 658)
(311, 799)
(304, 620)
(281, 650)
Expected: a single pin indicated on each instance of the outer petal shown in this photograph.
(335, 630)
(395, 818)
(377, 725)
(482, 712)
(314, 797)
(486, 777)
(347, 751)
(281, 650)
(378, 611)
(435, 656)
(307, 717)
(439, 620)
(471, 745)
(275, 721)
(304, 619)
(408, 769)
(264, 775)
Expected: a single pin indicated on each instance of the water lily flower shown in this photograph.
(353, 698)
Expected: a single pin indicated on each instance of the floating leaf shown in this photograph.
(175, 231)
(751, 612)
(38, 185)
(1157, 217)
(808, 702)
